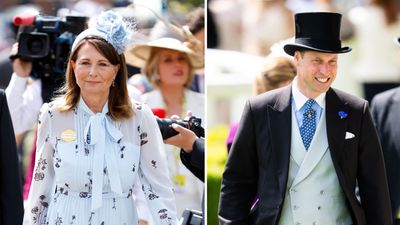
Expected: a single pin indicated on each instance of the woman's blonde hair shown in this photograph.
(150, 68)
(119, 104)
(275, 72)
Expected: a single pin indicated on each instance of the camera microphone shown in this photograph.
(24, 20)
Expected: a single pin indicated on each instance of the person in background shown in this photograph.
(212, 32)
(259, 28)
(169, 65)
(11, 203)
(93, 142)
(306, 148)
(375, 66)
(195, 23)
(24, 99)
(385, 108)
(276, 72)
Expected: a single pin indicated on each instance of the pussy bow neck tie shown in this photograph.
(97, 130)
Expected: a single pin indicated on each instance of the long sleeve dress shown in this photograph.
(86, 166)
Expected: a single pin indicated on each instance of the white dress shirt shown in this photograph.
(24, 102)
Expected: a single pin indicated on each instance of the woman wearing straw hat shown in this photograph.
(169, 65)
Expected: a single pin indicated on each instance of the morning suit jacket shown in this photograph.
(259, 160)
(11, 203)
(385, 109)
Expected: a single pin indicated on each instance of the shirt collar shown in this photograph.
(300, 99)
(82, 105)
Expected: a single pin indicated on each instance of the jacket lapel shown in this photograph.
(336, 129)
(395, 107)
(279, 116)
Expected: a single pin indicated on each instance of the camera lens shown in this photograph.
(165, 127)
(35, 46)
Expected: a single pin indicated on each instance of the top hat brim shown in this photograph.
(397, 41)
(291, 48)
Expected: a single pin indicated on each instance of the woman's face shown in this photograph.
(173, 67)
(93, 72)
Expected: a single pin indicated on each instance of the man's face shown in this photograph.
(316, 72)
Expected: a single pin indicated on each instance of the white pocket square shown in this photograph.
(349, 135)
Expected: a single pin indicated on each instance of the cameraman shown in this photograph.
(23, 95)
(192, 149)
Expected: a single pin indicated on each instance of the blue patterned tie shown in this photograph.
(307, 129)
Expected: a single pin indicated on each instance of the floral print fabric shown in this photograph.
(63, 181)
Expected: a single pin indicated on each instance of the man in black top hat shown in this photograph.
(385, 108)
(310, 151)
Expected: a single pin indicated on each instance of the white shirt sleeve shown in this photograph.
(24, 102)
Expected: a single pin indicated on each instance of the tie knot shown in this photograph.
(309, 103)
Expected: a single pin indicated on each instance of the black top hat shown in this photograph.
(317, 31)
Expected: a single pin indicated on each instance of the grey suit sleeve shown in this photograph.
(239, 181)
(377, 107)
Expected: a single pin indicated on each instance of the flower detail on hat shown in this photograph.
(342, 114)
(115, 31)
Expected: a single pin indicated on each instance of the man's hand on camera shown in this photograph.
(21, 68)
(184, 139)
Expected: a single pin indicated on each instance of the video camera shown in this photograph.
(46, 41)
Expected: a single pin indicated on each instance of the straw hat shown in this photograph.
(140, 53)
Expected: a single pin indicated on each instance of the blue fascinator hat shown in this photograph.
(111, 27)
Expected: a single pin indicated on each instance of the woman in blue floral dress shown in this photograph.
(93, 142)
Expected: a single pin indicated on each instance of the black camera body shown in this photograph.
(192, 123)
(47, 42)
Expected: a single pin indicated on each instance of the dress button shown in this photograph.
(322, 192)
(314, 223)
(319, 207)
(295, 207)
